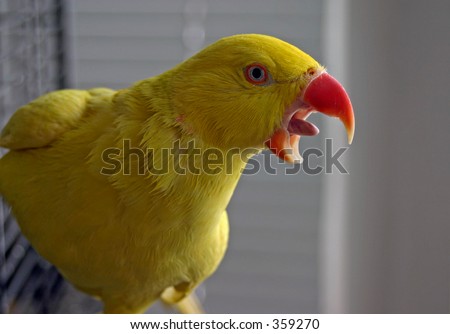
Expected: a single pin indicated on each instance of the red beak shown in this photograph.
(326, 95)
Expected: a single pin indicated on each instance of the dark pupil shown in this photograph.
(257, 73)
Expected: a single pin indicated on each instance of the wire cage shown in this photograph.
(33, 61)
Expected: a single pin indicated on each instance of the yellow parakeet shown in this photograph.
(115, 222)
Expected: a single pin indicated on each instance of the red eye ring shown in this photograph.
(256, 74)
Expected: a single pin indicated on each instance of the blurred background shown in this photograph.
(374, 241)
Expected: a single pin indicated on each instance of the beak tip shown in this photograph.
(350, 133)
(350, 125)
(350, 138)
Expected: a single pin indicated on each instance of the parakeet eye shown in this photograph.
(256, 74)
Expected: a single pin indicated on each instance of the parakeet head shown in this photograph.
(254, 90)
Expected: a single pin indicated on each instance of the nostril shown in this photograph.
(312, 71)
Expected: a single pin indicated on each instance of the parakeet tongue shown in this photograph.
(301, 127)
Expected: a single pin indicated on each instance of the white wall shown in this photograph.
(397, 212)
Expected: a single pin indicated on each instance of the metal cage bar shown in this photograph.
(33, 61)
